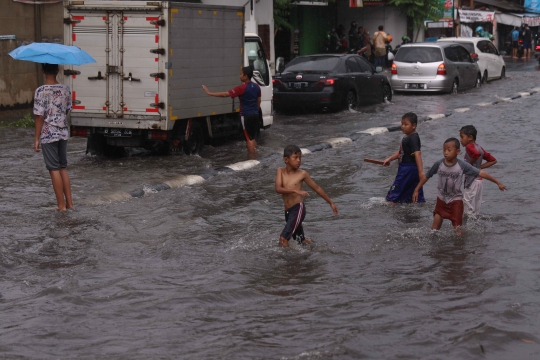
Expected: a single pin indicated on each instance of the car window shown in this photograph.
(451, 53)
(364, 65)
(353, 66)
(463, 54)
(493, 48)
(422, 54)
(312, 63)
(467, 45)
(483, 46)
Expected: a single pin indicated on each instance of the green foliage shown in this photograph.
(26, 122)
(420, 10)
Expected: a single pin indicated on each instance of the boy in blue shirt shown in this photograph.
(250, 103)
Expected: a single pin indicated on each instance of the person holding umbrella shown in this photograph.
(52, 103)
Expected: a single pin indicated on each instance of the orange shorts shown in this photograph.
(452, 211)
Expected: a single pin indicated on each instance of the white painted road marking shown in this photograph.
(436, 116)
(374, 131)
(338, 141)
(183, 180)
(461, 110)
(304, 151)
(243, 165)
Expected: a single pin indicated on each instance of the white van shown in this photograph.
(490, 61)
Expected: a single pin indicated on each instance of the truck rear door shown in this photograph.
(124, 80)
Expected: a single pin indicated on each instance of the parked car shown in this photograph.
(490, 61)
(441, 67)
(329, 81)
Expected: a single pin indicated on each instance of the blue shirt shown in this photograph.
(249, 94)
(515, 35)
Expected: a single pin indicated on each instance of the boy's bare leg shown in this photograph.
(459, 231)
(437, 222)
(283, 242)
(67, 188)
(251, 145)
(307, 241)
(58, 187)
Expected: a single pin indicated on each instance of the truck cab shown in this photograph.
(255, 56)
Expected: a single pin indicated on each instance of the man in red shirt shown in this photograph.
(250, 103)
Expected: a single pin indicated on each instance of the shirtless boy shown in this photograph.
(289, 181)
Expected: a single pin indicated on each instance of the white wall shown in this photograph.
(370, 17)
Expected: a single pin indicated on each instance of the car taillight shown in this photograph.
(277, 83)
(157, 135)
(441, 70)
(79, 131)
(474, 55)
(394, 69)
(325, 82)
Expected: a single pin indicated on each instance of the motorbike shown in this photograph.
(537, 53)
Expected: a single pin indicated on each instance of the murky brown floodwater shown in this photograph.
(196, 272)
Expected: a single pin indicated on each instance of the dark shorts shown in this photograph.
(294, 217)
(526, 45)
(403, 187)
(514, 44)
(452, 211)
(55, 154)
(251, 125)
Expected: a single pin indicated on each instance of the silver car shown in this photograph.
(443, 67)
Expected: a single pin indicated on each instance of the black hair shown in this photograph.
(411, 117)
(248, 71)
(50, 69)
(454, 140)
(381, 27)
(469, 130)
(290, 150)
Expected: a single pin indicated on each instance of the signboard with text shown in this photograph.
(471, 16)
(532, 6)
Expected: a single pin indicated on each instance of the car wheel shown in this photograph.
(478, 81)
(455, 86)
(503, 73)
(195, 141)
(387, 93)
(485, 78)
(351, 100)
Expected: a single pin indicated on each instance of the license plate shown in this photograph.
(118, 132)
(415, 86)
(298, 85)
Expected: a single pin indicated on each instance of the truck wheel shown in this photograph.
(195, 141)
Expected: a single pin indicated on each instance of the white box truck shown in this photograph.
(144, 90)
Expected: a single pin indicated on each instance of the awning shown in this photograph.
(39, 2)
(509, 19)
(502, 4)
(531, 19)
(470, 16)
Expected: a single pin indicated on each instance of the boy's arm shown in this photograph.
(419, 163)
(281, 190)
(488, 164)
(39, 126)
(259, 102)
(423, 179)
(320, 192)
(216, 94)
(490, 160)
(485, 175)
(391, 158)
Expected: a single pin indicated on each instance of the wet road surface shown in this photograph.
(195, 272)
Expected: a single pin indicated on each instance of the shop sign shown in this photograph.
(471, 16)
(531, 21)
(532, 6)
(356, 3)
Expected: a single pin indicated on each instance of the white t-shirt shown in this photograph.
(53, 102)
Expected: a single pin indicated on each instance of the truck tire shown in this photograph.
(195, 142)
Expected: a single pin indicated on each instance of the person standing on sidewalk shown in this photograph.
(250, 103)
(52, 103)
(379, 43)
(527, 41)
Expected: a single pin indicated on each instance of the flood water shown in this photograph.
(196, 272)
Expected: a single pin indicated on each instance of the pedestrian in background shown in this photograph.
(515, 42)
(527, 41)
(360, 37)
(353, 36)
(367, 44)
(250, 103)
(379, 43)
(52, 103)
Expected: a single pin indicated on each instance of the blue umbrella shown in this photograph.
(50, 53)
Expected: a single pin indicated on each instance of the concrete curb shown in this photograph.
(187, 180)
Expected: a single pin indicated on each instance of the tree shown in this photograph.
(419, 11)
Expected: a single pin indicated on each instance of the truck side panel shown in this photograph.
(206, 48)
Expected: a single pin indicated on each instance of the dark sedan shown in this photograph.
(329, 82)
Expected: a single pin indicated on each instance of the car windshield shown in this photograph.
(419, 54)
(312, 64)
